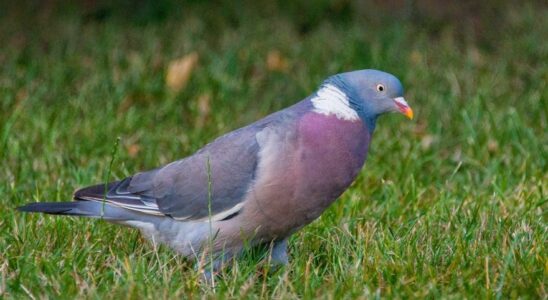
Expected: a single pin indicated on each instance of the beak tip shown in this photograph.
(409, 113)
(403, 107)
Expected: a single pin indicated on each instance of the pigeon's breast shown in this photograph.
(303, 168)
(331, 154)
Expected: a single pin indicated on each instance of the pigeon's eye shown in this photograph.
(380, 87)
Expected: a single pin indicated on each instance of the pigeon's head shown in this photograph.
(368, 93)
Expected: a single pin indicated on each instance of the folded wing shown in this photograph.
(214, 180)
(217, 177)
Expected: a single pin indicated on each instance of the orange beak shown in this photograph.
(404, 107)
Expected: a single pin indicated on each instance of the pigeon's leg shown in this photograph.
(278, 256)
(209, 272)
(210, 269)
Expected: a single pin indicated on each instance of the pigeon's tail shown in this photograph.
(76, 208)
(93, 209)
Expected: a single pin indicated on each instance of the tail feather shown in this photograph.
(93, 209)
(61, 208)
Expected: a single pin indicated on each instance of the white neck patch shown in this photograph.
(330, 100)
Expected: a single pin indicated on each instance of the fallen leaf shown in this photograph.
(204, 108)
(427, 141)
(492, 146)
(179, 71)
(475, 55)
(415, 57)
(133, 150)
(276, 62)
(457, 155)
(125, 105)
(21, 95)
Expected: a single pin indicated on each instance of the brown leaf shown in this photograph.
(204, 108)
(125, 104)
(457, 155)
(492, 145)
(133, 150)
(179, 71)
(21, 95)
(276, 62)
(415, 57)
(427, 141)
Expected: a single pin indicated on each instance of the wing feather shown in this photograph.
(181, 189)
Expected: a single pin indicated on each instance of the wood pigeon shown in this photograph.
(255, 185)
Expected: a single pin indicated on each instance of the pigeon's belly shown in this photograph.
(311, 168)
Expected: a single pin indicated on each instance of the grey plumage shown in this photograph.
(267, 179)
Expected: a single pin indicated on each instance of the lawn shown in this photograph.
(452, 204)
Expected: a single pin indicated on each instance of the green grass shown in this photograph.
(450, 205)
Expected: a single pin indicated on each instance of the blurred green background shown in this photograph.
(450, 205)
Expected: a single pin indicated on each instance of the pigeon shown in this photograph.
(256, 185)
